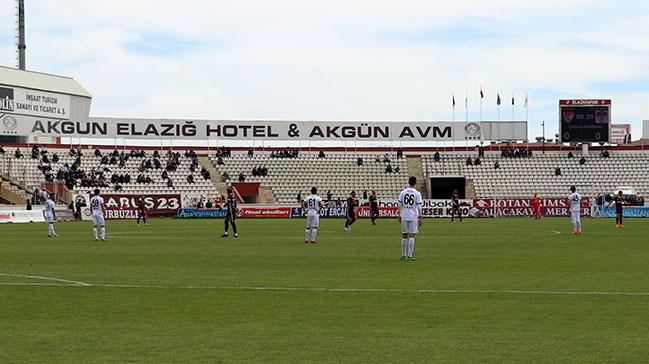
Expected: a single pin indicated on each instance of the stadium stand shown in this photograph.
(29, 173)
(522, 177)
(337, 172)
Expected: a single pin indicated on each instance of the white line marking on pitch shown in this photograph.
(69, 282)
(321, 289)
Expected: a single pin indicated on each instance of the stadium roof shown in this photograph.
(41, 81)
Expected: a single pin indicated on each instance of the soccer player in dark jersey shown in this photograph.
(231, 205)
(141, 211)
(455, 206)
(352, 203)
(618, 200)
(374, 207)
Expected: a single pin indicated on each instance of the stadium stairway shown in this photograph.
(215, 177)
(415, 169)
(11, 193)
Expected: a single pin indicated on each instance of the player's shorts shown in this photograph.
(312, 221)
(374, 211)
(98, 220)
(409, 226)
(351, 215)
(230, 217)
(140, 213)
(48, 218)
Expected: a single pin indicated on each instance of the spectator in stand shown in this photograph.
(399, 153)
(496, 165)
(570, 155)
(397, 169)
(377, 159)
(225, 177)
(170, 183)
(251, 152)
(2, 150)
(469, 161)
(55, 158)
(190, 179)
(557, 171)
(359, 161)
(477, 162)
(165, 175)
(29, 205)
(242, 177)
(34, 152)
(582, 161)
(45, 159)
(365, 195)
(255, 171)
(386, 158)
(436, 156)
(97, 153)
(299, 197)
(329, 195)
(156, 154)
(388, 168)
(219, 161)
(605, 153)
(321, 154)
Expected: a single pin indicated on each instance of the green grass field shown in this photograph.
(486, 290)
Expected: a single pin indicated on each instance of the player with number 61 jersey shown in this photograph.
(312, 204)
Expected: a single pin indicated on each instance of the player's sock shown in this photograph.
(234, 228)
(94, 231)
(306, 234)
(404, 247)
(411, 246)
(103, 233)
(49, 229)
(53, 231)
(314, 232)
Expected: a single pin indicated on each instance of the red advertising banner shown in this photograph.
(264, 212)
(487, 207)
(587, 102)
(123, 207)
(364, 211)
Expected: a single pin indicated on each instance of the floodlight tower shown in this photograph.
(21, 33)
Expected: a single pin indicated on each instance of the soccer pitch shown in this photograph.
(485, 290)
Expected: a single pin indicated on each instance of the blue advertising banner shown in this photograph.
(605, 211)
(325, 212)
(194, 213)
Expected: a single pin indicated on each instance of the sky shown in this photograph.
(342, 60)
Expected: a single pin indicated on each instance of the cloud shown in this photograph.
(369, 60)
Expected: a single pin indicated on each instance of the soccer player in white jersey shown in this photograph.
(312, 204)
(575, 210)
(410, 204)
(50, 217)
(98, 214)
